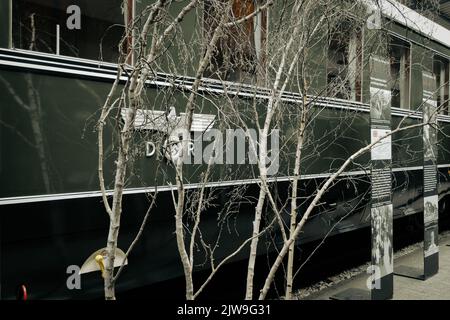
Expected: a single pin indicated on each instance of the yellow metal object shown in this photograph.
(96, 261)
(99, 260)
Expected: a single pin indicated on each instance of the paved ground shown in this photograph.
(435, 288)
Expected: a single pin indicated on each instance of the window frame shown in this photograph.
(409, 78)
(261, 62)
(131, 40)
(355, 95)
(441, 58)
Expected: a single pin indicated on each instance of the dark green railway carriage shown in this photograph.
(51, 212)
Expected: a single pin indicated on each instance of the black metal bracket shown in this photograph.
(409, 272)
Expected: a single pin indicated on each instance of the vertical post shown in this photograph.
(6, 24)
(133, 33)
(381, 181)
(10, 22)
(129, 14)
(8, 42)
(430, 177)
(57, 39)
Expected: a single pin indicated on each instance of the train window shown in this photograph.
(78, 28)
(441, 70)
(240, 54)
(400, 62)
(344, 63)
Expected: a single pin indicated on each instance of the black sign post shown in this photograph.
(382, 286)
(430, 184)
(381, 278)
(430, 178)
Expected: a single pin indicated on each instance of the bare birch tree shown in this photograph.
(130, 97)
(303, 26)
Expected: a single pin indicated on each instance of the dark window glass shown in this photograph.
(399, 56)
(240, 53)
(344, 65)
(441, 71)
(35, 24)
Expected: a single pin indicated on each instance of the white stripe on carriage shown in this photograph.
(130, 191)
